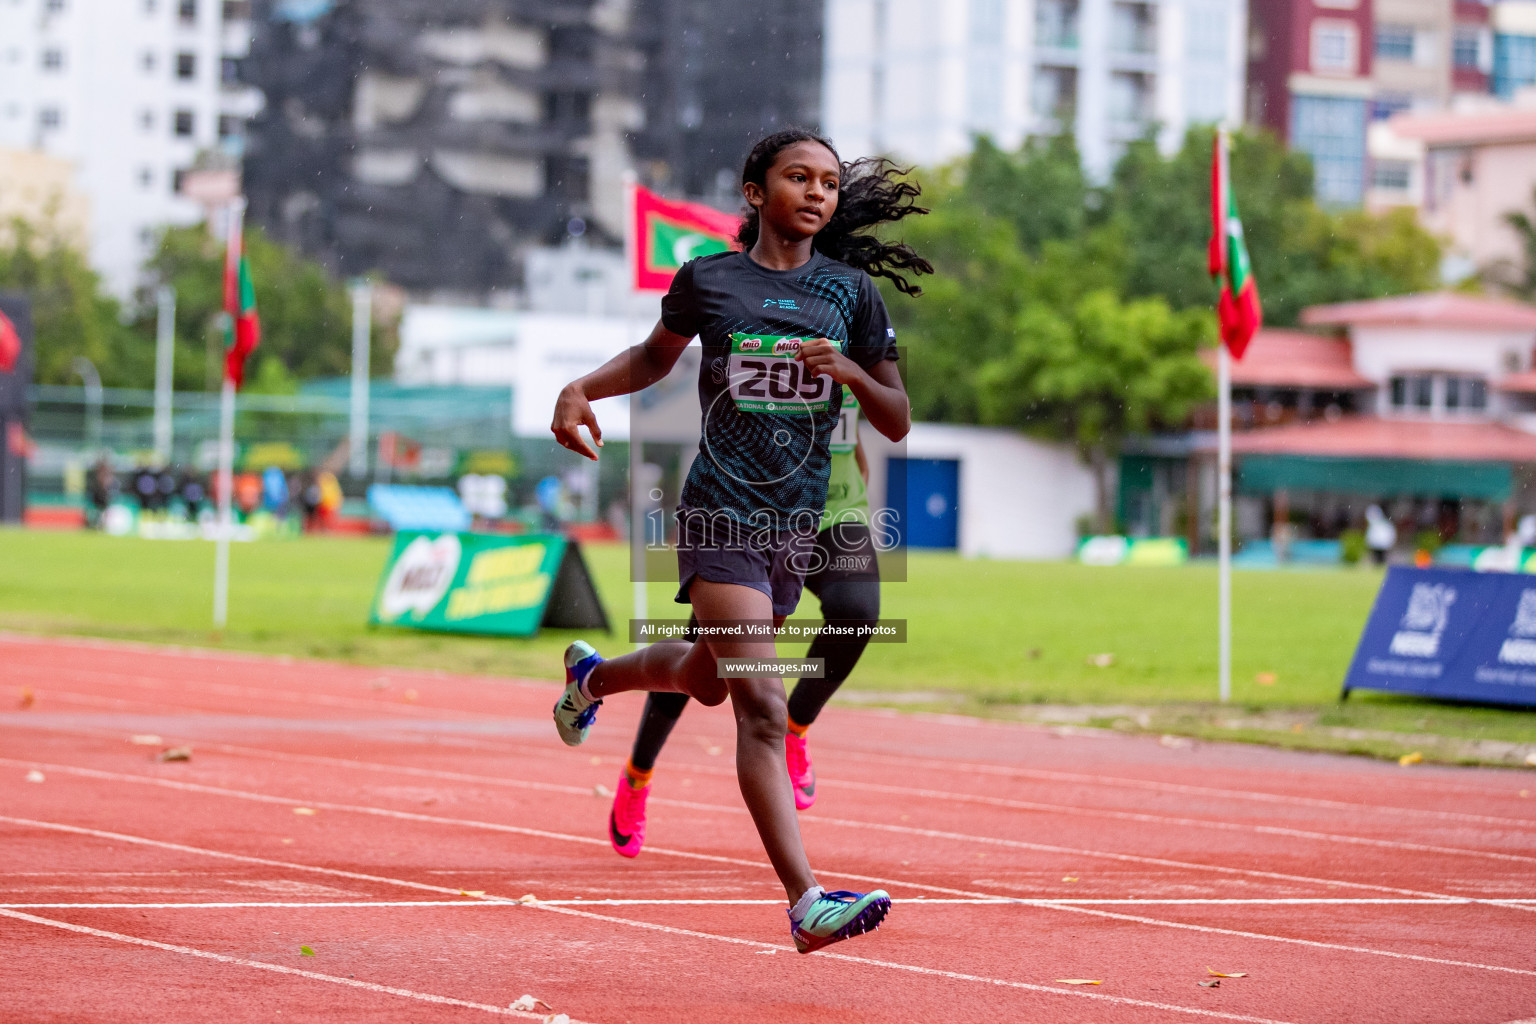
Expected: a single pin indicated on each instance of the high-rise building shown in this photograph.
(1514, 47)
(432, 141)
(131, 92)
(920, 79)
(718, 77)
(1309, 80)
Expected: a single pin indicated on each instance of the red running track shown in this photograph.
(391, 821)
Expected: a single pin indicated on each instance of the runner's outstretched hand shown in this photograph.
(572, 411)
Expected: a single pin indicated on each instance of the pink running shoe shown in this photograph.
(802, 774)
(626, 822)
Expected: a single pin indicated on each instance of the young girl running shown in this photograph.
(783, 324)
(845, 576)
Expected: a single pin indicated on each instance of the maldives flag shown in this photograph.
(1238, 308)
(665, 234)
(243, 332)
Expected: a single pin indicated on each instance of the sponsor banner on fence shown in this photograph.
(1451, 633)
(486, 583)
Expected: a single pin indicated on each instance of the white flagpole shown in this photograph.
(226, 438)
(637, 537)
(165, 356)
(1224, 518)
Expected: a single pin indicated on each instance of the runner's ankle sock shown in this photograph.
(803, 905)
(798, 729)
(637, 779)
(581, 687)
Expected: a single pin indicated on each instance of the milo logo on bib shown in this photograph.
(766, 377)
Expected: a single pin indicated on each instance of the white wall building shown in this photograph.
(129, 91)
(920, 78)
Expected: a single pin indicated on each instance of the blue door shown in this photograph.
(925, 495)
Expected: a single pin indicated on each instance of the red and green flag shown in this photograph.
(243, 332)
(665, 234)
(1238, 309)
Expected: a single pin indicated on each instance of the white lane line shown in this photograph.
(1049, 808)
(203, 954)
(925, 833)
(1185, 789)
(358, 876)
(980, 901)
(984, 768)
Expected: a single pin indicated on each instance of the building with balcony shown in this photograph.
(1424, 405)
(921, 79)
(131, 93)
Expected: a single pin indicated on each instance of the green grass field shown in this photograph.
(1010, 639)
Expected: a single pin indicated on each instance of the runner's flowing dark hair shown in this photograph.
(873, 191)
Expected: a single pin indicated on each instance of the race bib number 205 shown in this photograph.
(766, 377)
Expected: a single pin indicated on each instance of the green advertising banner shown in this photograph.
(486, 584)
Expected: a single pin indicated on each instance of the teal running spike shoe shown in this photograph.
(573, 712)
(836, 916)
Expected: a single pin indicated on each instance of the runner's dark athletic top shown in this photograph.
(758, 467)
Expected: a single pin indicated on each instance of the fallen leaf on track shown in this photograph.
(175, 754)
(1175, 742)
(1530, 759)
(766, 952)
(35, 776)
(1078, 981)
(557, 1018)
(145, 740)
(1070, 878)
(28, 697)
(527, 1003)
(601, 791)
(528, 897)
(1219, 974)
(1408, 759)
(1213, 983)
(306, 951)
(471, 892)
(308, 812)
(410, 696)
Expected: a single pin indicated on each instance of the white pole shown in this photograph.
(165, 355)
(1224, 518)
(637, 499)
(226, 486)
(362, 325)
(226, 439)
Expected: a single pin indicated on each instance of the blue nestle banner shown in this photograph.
(1450, 633)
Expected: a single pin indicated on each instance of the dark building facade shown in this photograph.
(432, 141)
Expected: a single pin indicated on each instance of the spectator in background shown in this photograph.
(307, 490)
(100, 489)
(1380, 534)
(193, 494)
(165, 484)
(331, 497)
(146, 488)
(247, 493)
(274, 491)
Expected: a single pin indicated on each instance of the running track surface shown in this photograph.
(391, 822)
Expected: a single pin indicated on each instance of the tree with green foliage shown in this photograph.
(71, 314)
(306, 314)
(1097, 373)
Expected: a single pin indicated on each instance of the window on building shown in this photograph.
(50, 117)
(147, 61)
(186, 12)
(1514, 64)
(1389, 104)
(1466, 46)
(237, 10)
(1335, 47)
(178, 178)
(53, 59)
(1132, 28)
(186, 66)
(1331, 130)
(1055, 94)
(229, 70)
(229, 126)
(1394, 42)
(1056, 23)
(1393, 175)
(146, 177)
(54, 7)
(1130, 99)
(183, 123)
